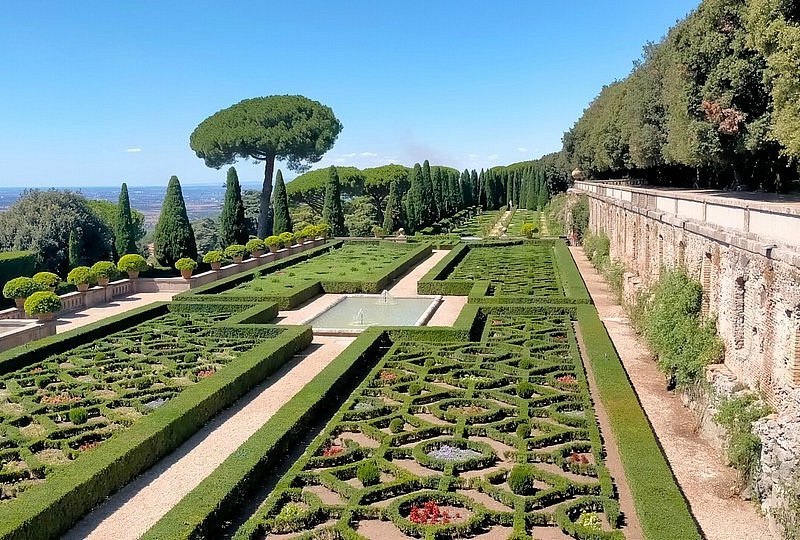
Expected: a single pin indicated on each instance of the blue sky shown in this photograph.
(96, 93)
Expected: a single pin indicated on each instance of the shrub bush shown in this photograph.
(213, 256)
(255, 244)
(520, 479)
(48, 280)
(81, 275)
(42, 302)
(16, 263)
(21, 287)
(235, 250)
(132, 263)
(78, 416)
(105, 269)
(369, 474)
(272, 241)
(185, 263)
(525, 389)
(396, 425)
(737, 414)
(528, 229)
(286, 239)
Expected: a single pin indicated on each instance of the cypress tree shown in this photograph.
(429, 210)
(74, 248)
(332, 208)
(232, 225)
(124, 241)
(454, 193)
(530, 201)
(544, 196)
(174, 237)
(466, 189)
(282, 221)
(476, 187)
(510, 190)
(489, 193)
(413, 200)
(394, 209)
(439, 189)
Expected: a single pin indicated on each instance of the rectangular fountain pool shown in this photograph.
(355, 313)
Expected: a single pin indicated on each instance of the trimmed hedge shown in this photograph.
(47, 510)
(16, 264)
(199, 513)
(661, 506)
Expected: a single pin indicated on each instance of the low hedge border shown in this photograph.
(661, 506)
(48, 510)
(197, 514)
(32, 352)
(571, 279)
(433, 282)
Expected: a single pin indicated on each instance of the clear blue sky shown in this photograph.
(100, 92)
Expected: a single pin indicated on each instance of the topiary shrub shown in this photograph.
(323, 230)
(105, 269)
(254, 245)
(286, 239)
(132, 264)
(397, 425)
(369, 474)
(525, 389)
(272, 242)
(42, 303)
(78, 416)
(235, 251)
(214, 256)
(21, 287)
(48, 280)
(520, 479)
(527, 230)
(81, 275)
(185, 263)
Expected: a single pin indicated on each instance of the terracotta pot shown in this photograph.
(239, 259)
(257, 253)
(103, 281)
(45, 316)
(83, 287)
(20, 303)
(186, 274)
(216, 265)
(273, 249)
(133, 274)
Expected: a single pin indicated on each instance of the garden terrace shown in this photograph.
(479, 224)
(520, 217)
(355, 267)
(83, 413)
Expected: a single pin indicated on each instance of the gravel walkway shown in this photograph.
(706, 482)
(70, 321)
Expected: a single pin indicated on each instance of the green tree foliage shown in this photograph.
(412, 202)
(283, 219)
(232, 224)
(293, 129)
(466, 189)
(429, 211)
(206, 234)
(251, 199)
(361, 217)
(392, 217)
(309, 187)
(126, 229)
(41, 221)
(332, 210)
(107, 211)
(74, 246)
(438, 193)
(174, 237)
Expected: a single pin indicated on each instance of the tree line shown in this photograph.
(716, 104)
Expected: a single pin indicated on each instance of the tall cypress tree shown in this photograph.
(413, 200)
(429, 210)
(439, 188)
(543, 196)
(532, 194)
(509, 190)
(466, 189)
(332, 208)
(232, 225)
(392, 217)
(74, 248)
(124, 238)
(280, 202)
(454, 193)
(489, 191)
(476, 187)
(174, 237)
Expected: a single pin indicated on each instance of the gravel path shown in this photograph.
(706, 482)
(70, 321)
(505, 218)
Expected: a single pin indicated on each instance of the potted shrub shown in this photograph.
(21, 288)
(286, 239)
(48, 280)
(186, 266)
(214, 258)
(272, 243)
(132, 264)
(378, 231)
(82, 277)
(323, 230)
(43, 304)
(256, 247)
(105, 272)
(236, 252)
(309, 232)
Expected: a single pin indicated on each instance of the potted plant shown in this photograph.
(186, 266)
(48, 280)
(236, 252)
(43, 304)
(286, 239)
(323, 230)
(132, 264)
(378, 231)
(21, 288)
(256, 247)
(214, 258)
(105, 272)
(272, 243)
(82, 277)
(309, 232)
